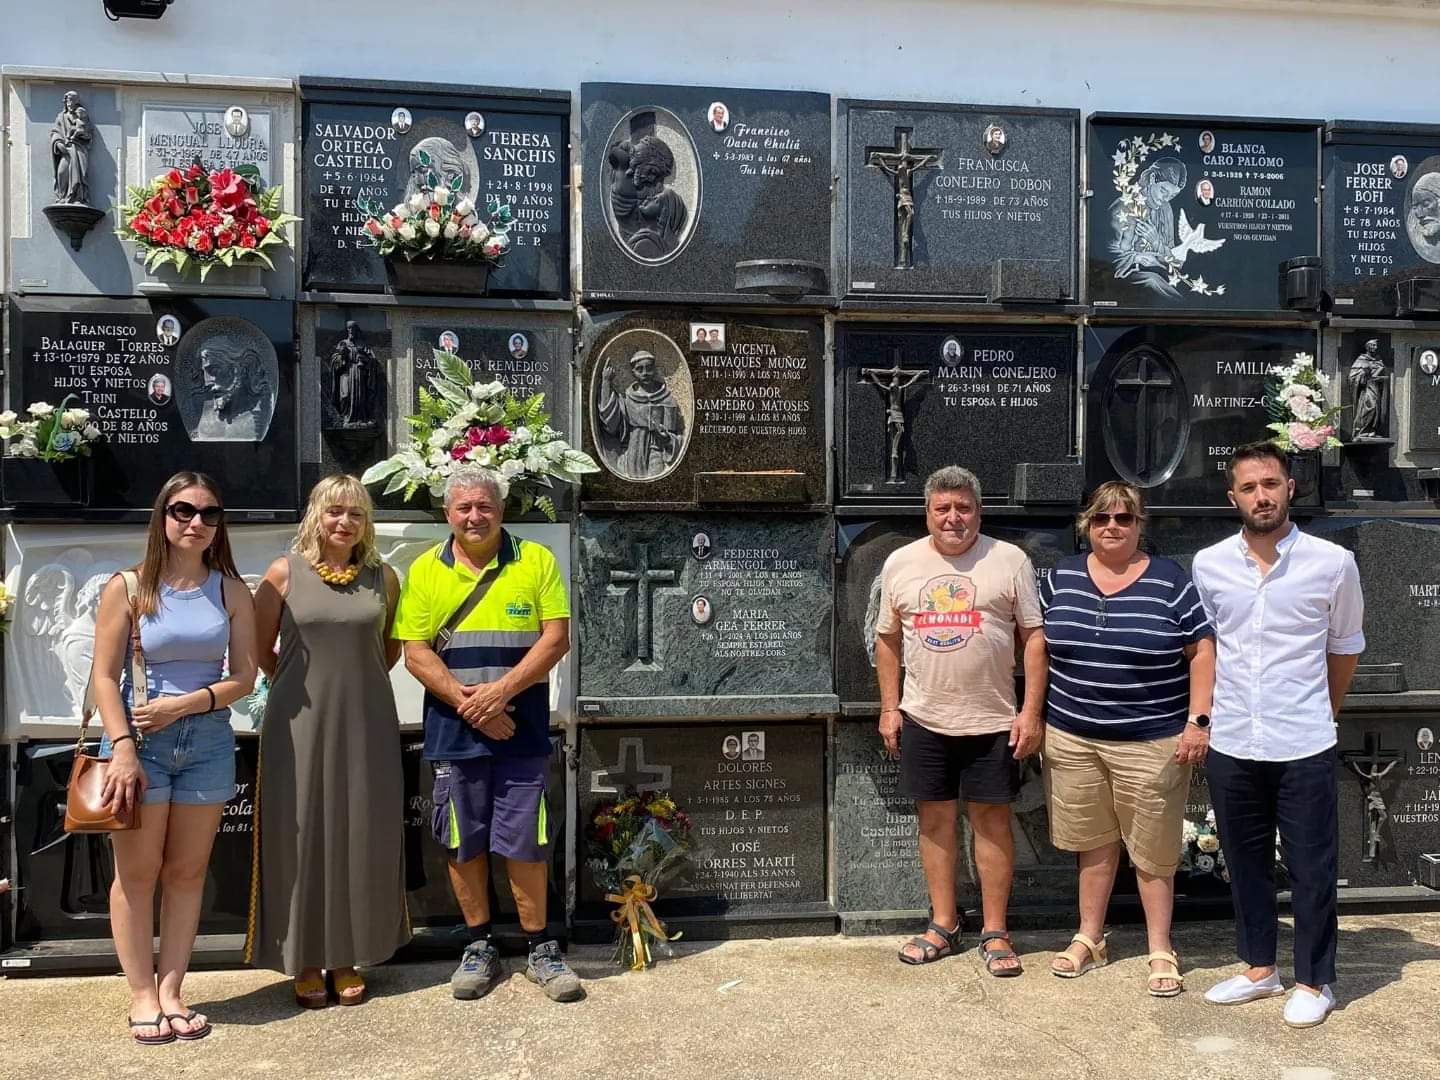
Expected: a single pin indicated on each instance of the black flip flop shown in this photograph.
(929, 951)
(152, 1040)
(187, 1036)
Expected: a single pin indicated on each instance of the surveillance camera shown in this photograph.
(116, 10)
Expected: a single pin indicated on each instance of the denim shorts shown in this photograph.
(191, 762)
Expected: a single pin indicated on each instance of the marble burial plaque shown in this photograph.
(705, 193)
(756, 795)
(914, 398)
(676, 421)
(1399, 563)
(1382, 219)
(688, 615)
(1424, 395)
(363, 139)
(97, 139)
(1195, 214)
(1388, 772)
(863, 547)
(205, 384)
(969, 203)
(63, 879)
(1167, 405)
(877, 860)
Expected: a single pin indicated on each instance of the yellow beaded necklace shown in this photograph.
(331, 576)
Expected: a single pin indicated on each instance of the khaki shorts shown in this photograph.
(1102, 790)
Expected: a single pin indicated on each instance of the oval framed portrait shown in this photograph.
(1422, 209)
(642, 405)
(227, 377)
(651, 184)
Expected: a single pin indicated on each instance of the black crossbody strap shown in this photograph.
(469, 604)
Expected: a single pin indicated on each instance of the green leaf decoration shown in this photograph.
(423, 156)
(455, 182)
(454, 369)
(382, 470)
(577, 461)
(547, 507)
(251, 175)
(457, 395)
(398, 481)
(431, 180)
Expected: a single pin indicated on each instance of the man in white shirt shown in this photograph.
(1287, 610)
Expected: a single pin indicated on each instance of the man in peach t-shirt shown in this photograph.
(955, 603)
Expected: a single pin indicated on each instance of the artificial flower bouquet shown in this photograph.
(465, 422)
(7, 603)
(1295, 400)
(439, 223)
(198, 218)
(51, 433)
(634, 844)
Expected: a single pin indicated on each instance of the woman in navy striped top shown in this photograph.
(1132, 669)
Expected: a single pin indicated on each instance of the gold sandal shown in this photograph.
(1097, 958)
(349, 988)
(311, 993)
(1173, 959)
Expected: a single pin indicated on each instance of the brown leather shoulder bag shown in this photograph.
(85, 808)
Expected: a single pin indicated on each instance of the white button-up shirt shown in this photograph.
(1272, 692)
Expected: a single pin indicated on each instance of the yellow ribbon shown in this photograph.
(634, 900)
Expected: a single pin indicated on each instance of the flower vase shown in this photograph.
(436, 278)
(1305, 471)
(28, 482)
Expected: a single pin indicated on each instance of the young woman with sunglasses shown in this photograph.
(175, 755)
(1132, 669)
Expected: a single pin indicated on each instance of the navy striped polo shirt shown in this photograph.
(1117, 663)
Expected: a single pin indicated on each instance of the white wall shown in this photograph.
(1290, 60)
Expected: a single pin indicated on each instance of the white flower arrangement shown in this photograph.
(1296, 402)
(7, 603)
(50, 434)
(468, 422)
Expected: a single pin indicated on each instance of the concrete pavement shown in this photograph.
(797, 1007)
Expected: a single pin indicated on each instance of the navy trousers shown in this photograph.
(1252, 800)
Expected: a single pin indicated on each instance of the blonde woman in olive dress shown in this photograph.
(329, 887)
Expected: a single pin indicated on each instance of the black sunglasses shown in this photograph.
(184, 513)
(1124, 520)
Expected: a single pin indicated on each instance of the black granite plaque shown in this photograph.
(756, 794)
(704, 615)
(877, 857)
(353, 353)
(1424, 400)
(359, 139)
(738, 419)
(1382, 219)
(1399, 563)
(705, 194)
(63, 879)
(863, 547)
(967, 203)
(915, 398)
(1389, 797)
(530, 354)
(1195, 214)
(1167, 405)
(172, 383)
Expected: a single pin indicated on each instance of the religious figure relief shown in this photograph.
(60, 620)
(1149, 246)
(901, 163)
(353, 369)
(1370, 379)
(640, 426)
(70, 138)
(892, 382)
(1371, 766)
(652, 185)
(228, 380)
(435, 162)
(1422, 211)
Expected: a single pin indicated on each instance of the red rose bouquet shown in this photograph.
(194, 217)
(634, 844)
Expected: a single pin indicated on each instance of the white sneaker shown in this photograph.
(1305, 1009)
(1241, 989)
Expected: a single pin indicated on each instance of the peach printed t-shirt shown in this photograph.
(958, 616)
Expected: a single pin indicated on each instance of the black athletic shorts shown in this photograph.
(974, 768)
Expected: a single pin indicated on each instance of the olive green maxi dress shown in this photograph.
(329, 884)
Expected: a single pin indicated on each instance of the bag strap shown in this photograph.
(469, 604)
(139, 683)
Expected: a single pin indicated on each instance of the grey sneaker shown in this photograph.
(478, 972)
(547, 969)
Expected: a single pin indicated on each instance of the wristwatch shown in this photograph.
(1200, 720)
